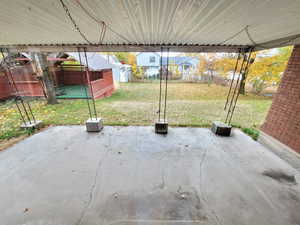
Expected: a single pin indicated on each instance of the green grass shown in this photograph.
(189, 104)
(251, 132)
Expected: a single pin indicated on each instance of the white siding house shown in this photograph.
(148, 59)
(150, 62)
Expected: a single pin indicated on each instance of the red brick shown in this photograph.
(283, 119)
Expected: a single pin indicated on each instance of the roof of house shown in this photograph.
(179, 60)
(216, 25)
(149, 53)
(95, 60)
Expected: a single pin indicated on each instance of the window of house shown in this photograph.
(152, 59)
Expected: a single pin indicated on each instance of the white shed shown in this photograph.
(122, 72)
(97, 61)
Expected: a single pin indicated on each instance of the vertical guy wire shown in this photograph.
(10, 77)
(30, 110)
(90, 84)
(160, 81)
(166, 88)
(20, 112)
(235, 88)
(16, 102)
(233, 76)
(245, 71)
(86, 92)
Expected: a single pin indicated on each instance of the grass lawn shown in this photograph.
(189, 104)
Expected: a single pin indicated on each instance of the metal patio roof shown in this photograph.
(146, 25)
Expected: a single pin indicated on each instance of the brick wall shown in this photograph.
(283, 119)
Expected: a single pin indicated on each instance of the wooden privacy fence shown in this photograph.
(29, 84)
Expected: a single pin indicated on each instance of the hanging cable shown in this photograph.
(254, 43)
(233, 36)
(90, 84)
(232, 79)
(105, 26)
(166, 87)
(73, 22)
(103, 32)
(100, 22)
(160, 82)
(85, 88)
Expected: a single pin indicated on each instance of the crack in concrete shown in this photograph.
(92, 189)
(201, 193)
(201, 165)
(163, 183)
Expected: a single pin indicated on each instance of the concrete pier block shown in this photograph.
(94, 125)
(161, 127)
(36, 125)
(221, 128)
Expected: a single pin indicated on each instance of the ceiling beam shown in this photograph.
(125, 48)
(282, 42)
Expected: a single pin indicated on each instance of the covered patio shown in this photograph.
(130, 175)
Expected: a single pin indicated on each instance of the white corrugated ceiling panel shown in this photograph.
(162, 22)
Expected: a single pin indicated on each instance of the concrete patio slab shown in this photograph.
(131, 176)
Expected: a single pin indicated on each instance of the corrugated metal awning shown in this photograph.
(146, 25)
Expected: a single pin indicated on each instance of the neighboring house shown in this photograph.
(148, 59)
(185, 65)
(150, 62)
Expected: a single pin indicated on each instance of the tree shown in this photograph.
(243, 75)
(207, 65)
(267, 70)
(122, 57)
(131, 59)
(43, 68)
(225, 65)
